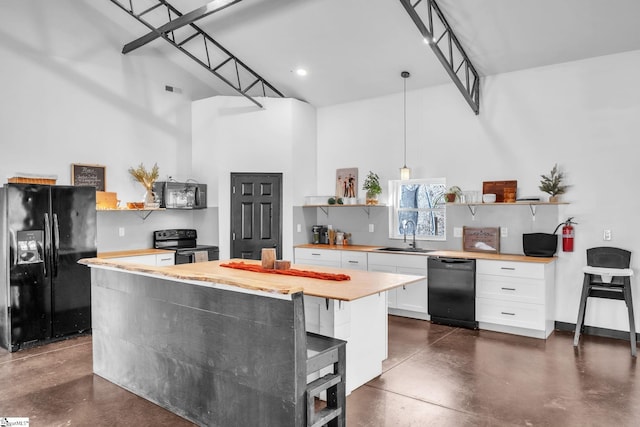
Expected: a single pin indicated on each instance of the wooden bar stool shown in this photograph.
(607, 275)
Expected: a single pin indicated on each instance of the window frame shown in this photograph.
(439, 208)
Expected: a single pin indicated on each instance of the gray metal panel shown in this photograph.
(5, 338)
(215, 357)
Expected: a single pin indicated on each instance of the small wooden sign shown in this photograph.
(481, 239)
(89, 176)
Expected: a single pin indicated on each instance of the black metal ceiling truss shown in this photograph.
(438, 34)
(178, 29)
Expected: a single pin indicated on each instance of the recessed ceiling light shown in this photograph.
(301, 72)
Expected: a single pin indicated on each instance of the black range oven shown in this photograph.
(184, 242)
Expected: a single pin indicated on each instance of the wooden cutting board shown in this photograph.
(499, 188)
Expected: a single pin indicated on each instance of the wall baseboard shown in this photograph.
(592, 330)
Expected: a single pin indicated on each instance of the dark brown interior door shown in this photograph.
(256, 220)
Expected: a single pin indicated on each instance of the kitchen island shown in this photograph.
(200, 339)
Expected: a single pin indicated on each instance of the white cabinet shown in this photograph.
(325, 257)
(157, 260)
(515, 297)
(165, 259)
(354, 260)
(409, 300)
(361, 323)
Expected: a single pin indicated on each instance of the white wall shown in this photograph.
(231, 135)
(70, 96)
(581, 115)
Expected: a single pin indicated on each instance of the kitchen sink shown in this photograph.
(410, 250)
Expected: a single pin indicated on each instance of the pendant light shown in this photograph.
(405, 172)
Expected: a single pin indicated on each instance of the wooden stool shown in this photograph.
(323, 352)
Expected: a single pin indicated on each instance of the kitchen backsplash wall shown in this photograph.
(138, 233)
(517, 219)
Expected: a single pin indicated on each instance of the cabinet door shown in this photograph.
(353, 260)
(327, 258)
(412, 297)
(391, 295)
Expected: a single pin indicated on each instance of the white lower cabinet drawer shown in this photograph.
(510, 288)
(510, 313)
(511, 269)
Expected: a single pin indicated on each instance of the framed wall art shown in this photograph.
(347, 182)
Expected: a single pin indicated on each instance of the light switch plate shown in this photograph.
(457, 231)
(371, 228)
(504, 232)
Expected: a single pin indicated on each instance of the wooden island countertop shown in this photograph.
(362, 283)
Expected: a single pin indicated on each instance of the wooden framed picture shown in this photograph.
(481, 239)
(89, 176)
(347, 182)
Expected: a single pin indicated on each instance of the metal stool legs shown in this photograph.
(632, 322)
(583, 307)
(626, 292)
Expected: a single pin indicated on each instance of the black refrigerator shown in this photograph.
(44, 293)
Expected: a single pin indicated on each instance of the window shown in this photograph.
(418, 205)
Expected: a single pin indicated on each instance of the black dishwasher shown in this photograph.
(452, 291)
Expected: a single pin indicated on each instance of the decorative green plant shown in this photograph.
(552, 183)
(372, 184)
(144, 177)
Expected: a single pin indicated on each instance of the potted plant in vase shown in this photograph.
(372, 186)
(552, 184)
(146, 178)
(453, 194)
(449, 196)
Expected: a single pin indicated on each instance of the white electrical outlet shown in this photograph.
(504, 232)
(606, 235)
(121, 231)
(371, 228)
(299, 228)
(457, 231)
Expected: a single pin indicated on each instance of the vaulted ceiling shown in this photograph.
(356, 49)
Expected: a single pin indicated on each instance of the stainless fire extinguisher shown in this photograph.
(568, 234)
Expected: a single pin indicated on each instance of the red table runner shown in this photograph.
(290, 272)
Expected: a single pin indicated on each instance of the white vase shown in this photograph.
(149, 199)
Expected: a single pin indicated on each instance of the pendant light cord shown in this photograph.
(405, 122)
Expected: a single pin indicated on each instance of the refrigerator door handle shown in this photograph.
(14, 246)
(56, 246)
(47, 243)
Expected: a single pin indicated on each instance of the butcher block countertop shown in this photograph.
(357, 248)
(437, 253)
(362, 283)
(495, 257)
(134, 252)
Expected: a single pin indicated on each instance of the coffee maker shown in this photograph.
(319, 234)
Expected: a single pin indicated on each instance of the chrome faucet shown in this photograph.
(405, 223)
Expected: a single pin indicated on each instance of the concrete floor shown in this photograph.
(435, 375)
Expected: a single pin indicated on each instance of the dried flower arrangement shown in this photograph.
(144, 177)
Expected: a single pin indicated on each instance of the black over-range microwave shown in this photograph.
(180, 195)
